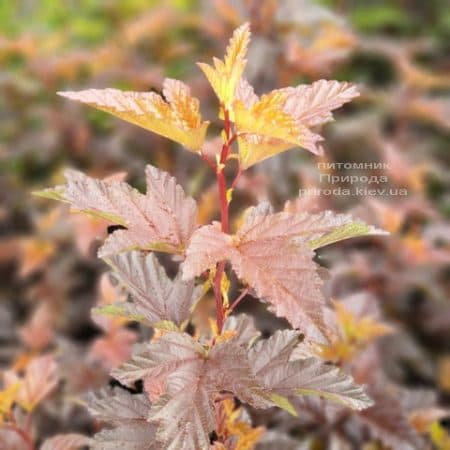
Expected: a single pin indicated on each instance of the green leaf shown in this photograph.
(123, 309)
(166, 325)
(283, 403)
(109, 217)
(56, 193)
(346, 231)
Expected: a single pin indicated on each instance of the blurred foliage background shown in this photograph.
(398, 52)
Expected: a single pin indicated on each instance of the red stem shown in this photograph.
(224, 215)
(208, 161)
(222, 184)
(223, 200)
(238, 300)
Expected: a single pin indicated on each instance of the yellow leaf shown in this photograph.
(225, 75)
(267, 118)
(254, 148)
(224, 288)
(265, 130)
(178, 118)
(439, 436)
(7, 398)
(355, 334)
(224, 336)
(233, 425)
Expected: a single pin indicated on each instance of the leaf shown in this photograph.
(192, 376)
(282, 119)
(311, 105)
(163, 219)
(66, 442)
(254, 148)
(388, 423)
(56, 193)
(39, 380)
(357, 329)
(440, 436)
(128, 414)
(118, 407)
(272, 367)
(208, 246)
(235, 428)
(283, 403)
(265, 129)
(114, 347)
(178, 118)
(282, 274)
(130, 437)
(185, 419)
(124, 310)
(225, 75)
(34, 254)
(245, 93)
(188, 416)
(7, 398)
(272, 254)
(243, 328)
(346, 231)
(156, 297)
(266, 118)
(172, 358)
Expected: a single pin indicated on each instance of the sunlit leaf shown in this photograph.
(178, 118)
(225, 75)
(282, 119)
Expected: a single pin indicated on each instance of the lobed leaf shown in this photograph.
(186, 419)
(118, 406)
(282, 119)
(156, 297)
(178, 118)
(273, 254)
(271, 363)
(282, 274)
(225, 75)
(172, 358)
(129, 437)
(254, 148)
(387, 422)
(311, 105)
(128, 414)
(191, 376)
(163, 219)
